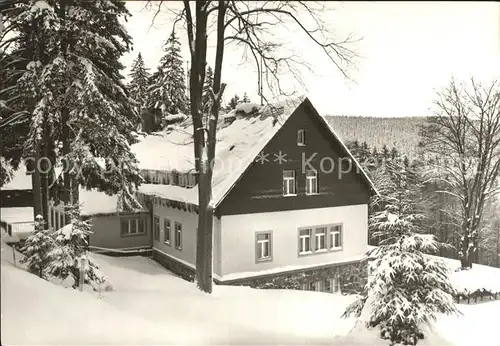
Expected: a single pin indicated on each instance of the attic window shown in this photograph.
(301, 137)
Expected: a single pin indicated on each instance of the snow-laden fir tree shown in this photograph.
(167, 91)
(206, 98)
(36, 249)
(70, 245)
(75, 92)
(245, 99)
(233, 102)
(6, 172)
(139, 82)
(406, 288)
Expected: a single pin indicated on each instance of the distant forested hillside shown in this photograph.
(401, 133)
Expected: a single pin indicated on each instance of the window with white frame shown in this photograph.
(289, 183)
(311, 182)
(132, 227)
(156, 228)
(305, 241)
(166, 231)
(336, 237)
(178, 235)
(320, 238)
(263, 246)
(301, 137)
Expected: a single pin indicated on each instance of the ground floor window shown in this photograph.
(133, 226)
(263, 246)
(328, 285)
(320, 239)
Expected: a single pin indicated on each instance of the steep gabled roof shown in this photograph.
(238, 145)
(363, 173)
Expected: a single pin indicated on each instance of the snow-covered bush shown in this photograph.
(405, 288)
(36, 249)
(247, 108)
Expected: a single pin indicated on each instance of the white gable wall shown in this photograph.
(238, 237)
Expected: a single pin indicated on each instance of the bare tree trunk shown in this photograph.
(205, 134)
(205, 236)
(198, 47)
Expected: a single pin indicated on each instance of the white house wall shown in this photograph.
(189, 221)
(238, 237)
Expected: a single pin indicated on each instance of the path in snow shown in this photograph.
(149, 305)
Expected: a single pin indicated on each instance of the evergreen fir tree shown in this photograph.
(394, 153)
(364, 151)
(71, 242)
(406, 288)
(36, 249)
(206, 99)
(139, 82)
(6, 172)
(168, 91)
(385, 152)
(233, 102)
(77, 85)
(406, 161)
(354, 148)
(245, 99)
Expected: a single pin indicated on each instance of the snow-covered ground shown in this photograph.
(149, 305)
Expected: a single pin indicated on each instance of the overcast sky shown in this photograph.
(408, 49)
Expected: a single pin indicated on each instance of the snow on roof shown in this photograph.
(175, 117)
(18, 214)
(247, 108)
(238, 144)
(20, 181)
(92, 201)
(172, 192)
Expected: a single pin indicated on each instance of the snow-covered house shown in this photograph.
(290, 200)
(16, 194)
(112, 228)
